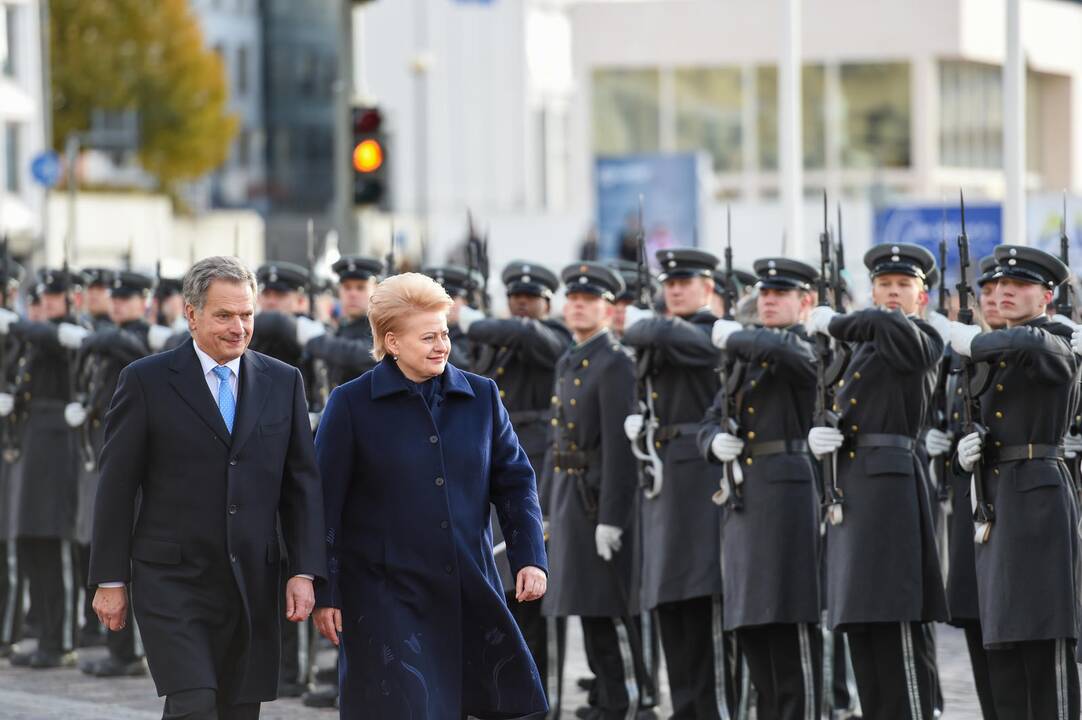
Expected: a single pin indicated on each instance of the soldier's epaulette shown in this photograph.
(618, 348)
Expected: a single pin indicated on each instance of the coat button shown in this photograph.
(232, 461)
(439, 482)
(999, 414)
(841, 383)
(578, 382)
(433, 439)
(852, 455)
(573, 402)
(571, 426)
(554, 422)
(749, 461)
(448, 569)
(232, 509)
(751, 434)
(855, 428)
(1002, 363)
(753, 383)
(999, 387)
(852, 401)
(232, 557)
(444, 525)
(503, 394)
(856, 376)
(764, 364)
(751, 411)
(586, 363)
(499, 371)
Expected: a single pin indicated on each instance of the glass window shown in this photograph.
(1035, 89)
(875, 115)
(970, 115)
(11, 158)
(708, 102)
(625, 111)
(813, 115)
(7, 40)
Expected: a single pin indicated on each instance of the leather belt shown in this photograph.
(1029, 451)
(776, 447)
(876, 440)
(668, 433)
(572, 459)
(524, 417)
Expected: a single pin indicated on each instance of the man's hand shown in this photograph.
(111, 607)
(329, 623)
(300, 599)
(530, 584)
(633, 426)
(819, 320)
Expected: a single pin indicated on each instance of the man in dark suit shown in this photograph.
(216, 441)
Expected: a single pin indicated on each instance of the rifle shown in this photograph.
(322, 387)
(391, 266)
(1065, 292)
(732, 478)
(824, 382)
(941, 402)
(643, 448)
(477, 262)
(984, 514)
(838, 279)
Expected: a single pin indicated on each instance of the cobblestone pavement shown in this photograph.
(70, 695)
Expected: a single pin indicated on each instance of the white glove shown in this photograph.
(1064, 320)
(1076, 342)
(819, 320)
(7, 404)
(7, 319)
(961, 338)
(824, 440)
(157, 336)
(722, 330)
(940, 324)
(969, 451)
(937, 442)
(1072, 445)
(74, 414)
(607, 539)
(313, 420)
(634, 314)
(468, 316)
(71, 336)
(309, 329)
(726, 447)
(632, 427)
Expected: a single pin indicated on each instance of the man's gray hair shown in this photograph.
(221, 267)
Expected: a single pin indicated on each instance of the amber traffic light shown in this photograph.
(371, 185)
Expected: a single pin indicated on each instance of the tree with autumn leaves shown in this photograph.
(148, 56)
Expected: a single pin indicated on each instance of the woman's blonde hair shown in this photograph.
(398, 297)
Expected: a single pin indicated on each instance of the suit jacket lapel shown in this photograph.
(189, 382)
(253, 396)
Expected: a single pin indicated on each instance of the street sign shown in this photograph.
(45, 168)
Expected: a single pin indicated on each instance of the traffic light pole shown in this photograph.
(345, 219)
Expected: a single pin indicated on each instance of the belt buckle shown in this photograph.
(1029, 450)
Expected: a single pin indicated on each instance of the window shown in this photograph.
(11, 158)
(813, 116)
(708, 103)
(7, 40)
(625, 111)
(242, 71)
(875, 115)
(970, 115)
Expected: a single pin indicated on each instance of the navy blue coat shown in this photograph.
(426, 633)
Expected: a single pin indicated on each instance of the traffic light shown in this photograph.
(371, 166)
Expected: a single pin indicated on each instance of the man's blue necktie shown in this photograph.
(226, 403)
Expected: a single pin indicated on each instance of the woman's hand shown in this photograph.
(329, 623)
(530, 584)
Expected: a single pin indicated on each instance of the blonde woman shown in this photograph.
(412, 453)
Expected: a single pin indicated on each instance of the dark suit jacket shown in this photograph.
(205, 539)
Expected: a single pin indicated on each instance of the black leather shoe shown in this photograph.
(20, 658)
(586, 683)
(327, 676)
(110, 666)
(322, 698)
(291, 690)
(48, 659)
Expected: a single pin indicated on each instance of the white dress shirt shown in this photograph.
(209, 364)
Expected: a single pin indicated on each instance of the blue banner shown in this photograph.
(924, 225)
(669, 186)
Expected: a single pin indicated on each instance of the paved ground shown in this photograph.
(70, 695)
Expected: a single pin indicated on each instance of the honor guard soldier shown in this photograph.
(591, 490)
(277, 331)
(98, 282)
(756, 430)
(459, 285)
(743, 285)
(520, 353)
(883, 579)
(986, 283)
(1026, 542)
(104, 353)
(348, 352)
(46, 484)
(677, 370)
(11, 582)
